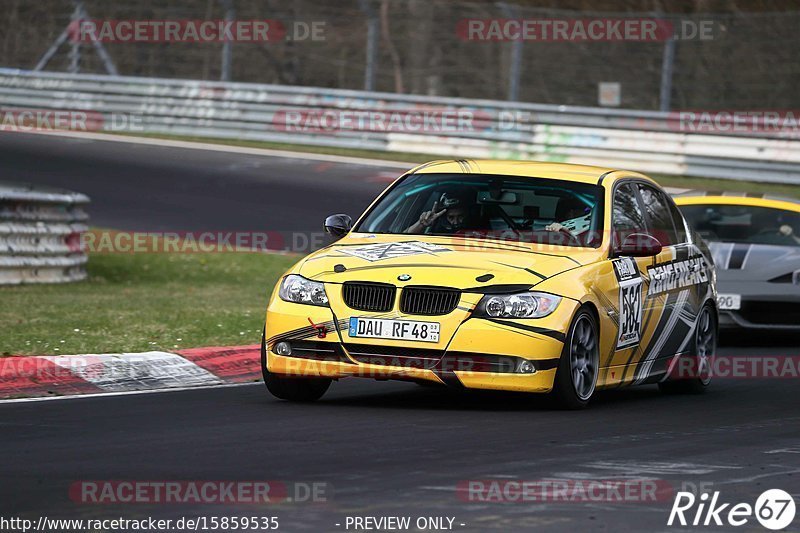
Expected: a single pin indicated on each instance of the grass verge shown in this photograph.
(686, 182)
(142, 302)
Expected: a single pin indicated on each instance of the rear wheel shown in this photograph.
(576, 377)
(699, 367)
(290, 388)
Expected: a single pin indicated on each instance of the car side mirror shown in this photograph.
(337, 226)
(639, 245)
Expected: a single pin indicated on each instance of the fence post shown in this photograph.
(511, 12)
(227, 46)
(75, 44)
(373, 34)
(667, 67)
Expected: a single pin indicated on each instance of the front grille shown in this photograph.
(781, 313)
(394, 356)
(374, 297)
(428, 300)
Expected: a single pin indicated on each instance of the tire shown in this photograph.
(705, 346)
(288, 388)
(576, 377)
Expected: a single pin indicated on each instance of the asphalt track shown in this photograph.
(382, 448)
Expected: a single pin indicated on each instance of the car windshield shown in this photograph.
(523, 209)
(745, 224)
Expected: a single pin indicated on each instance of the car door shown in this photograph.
(673, 281)
(624, 294)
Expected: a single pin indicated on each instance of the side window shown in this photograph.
(658, 215)
(626, 215)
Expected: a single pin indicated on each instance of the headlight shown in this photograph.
(521, 305)
(300, 290)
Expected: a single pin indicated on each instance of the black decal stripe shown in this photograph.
(506, 327)
(377, 267)
(553, 334)
(666, 316)
(559, 273)
(300, 333)
(511, 247)
(608, 306)
(542, 276)
(526, 269)
(603, 176)
(498, 289)
(681, 253)
(431, 164)
(450, 379)
(326, 256)
(492, 245)
(738, 254)
(546, 364)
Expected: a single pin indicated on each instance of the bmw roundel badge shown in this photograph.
(403, 277)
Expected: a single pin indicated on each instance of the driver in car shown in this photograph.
(572, 213)
(448, 215)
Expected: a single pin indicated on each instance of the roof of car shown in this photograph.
(533, 169)
(737, 198)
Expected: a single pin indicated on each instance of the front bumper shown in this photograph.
(764, 305)
(508, 355)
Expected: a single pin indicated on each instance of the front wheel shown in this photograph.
(290, 388)
(699, 360)
(576, 377)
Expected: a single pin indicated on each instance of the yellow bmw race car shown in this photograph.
(502, 275)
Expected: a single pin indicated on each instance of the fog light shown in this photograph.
(526, 367)
(283, 348)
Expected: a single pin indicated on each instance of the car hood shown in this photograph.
(754, 262)
(442, 261)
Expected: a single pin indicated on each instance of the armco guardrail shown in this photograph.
(40, 235)
(637, 140)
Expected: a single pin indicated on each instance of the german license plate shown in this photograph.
(729, 301)
(382, 328)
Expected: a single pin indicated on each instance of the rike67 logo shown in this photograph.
(774, 509)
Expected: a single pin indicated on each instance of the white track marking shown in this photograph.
(632, 468)
(154, 141)
(136, 371)
(784, 450)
